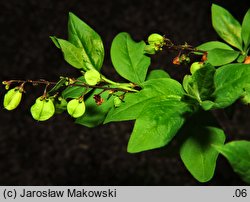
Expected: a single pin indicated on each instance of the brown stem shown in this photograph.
(82, 84)
(34, 82)
(171, 46)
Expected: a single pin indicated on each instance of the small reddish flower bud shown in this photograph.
(247, 60)
(176, 61)
(204, 57)
(98, 99)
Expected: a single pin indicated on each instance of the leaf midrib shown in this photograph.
(40, 113)
(130, 60)
(85, 50)
(171, 97)
(75, 55)
(231, 83)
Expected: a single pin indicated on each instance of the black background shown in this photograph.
(59, 152)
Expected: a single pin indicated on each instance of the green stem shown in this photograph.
(125, 86)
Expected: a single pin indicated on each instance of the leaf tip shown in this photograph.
(131, 150)
(215, 6)
(71, 14)
(55, 41)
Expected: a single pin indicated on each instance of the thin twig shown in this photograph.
(186, 47)
(82, 84)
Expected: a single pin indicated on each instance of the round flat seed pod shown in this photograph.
(195, 66)
(92, 77)
(76, 108)
(117, 102)
(157, 40)
(12, 99)
(43, 109)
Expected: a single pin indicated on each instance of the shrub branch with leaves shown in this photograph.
(160, 105)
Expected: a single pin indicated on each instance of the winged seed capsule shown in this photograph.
(76, 108)
(157, 40)
(92, 77)
(150, 49)
(12, 98)
(195, 66)
(43, 109)
(117, 102)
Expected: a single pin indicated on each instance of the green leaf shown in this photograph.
(203, 80)
(85, 38)
(218, 57)
(197, 153)
(95, 114)
(201, 84)
(72, 54)
(54, 40)
(245, 32)
(230, 81)
(58, 85)
(241, 58)
(155, 89)
(213, 45)
(219, 53)
(60, 105)
(74, 91)
(128, 58)
(187, 80)
(227, 27)
(157, 124)
(157, 74)
(207, 105)
(238, 155)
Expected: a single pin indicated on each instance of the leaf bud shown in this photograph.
(12, 98)
(92, 77)
(7, 87)
(71, 81)
(7, 84)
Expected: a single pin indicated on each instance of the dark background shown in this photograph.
(59, 152)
